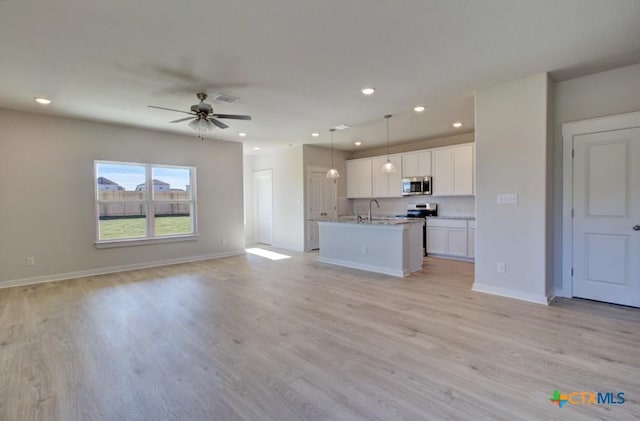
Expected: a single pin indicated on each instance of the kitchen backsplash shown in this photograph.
(450, 206)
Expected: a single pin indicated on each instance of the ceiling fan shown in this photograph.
(202, 116)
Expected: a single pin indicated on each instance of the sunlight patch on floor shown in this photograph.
(271, 255)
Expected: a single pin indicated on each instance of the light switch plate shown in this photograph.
(507, 198)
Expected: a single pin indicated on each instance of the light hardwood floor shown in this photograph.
(253, 339)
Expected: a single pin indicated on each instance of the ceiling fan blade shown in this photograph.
(218, 123)
(181, 119)
(232, 116)
(169, 109)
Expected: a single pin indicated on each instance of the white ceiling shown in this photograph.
(298, 65)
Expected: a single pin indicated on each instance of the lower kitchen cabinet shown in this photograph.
(449, 238)
(471, 239)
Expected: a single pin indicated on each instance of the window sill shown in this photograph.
(105, 244)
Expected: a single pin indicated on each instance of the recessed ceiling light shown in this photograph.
(256, 148)
(358, 143)
(43, 101)
(315, 134)
(242, 134)
(419, 108)
(368, 91)
(457, 124)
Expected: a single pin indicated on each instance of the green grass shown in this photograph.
(113, 229)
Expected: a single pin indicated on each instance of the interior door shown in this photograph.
(606, 222)
(263, 187)
(321, 203)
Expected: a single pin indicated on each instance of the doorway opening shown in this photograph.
(263, 205)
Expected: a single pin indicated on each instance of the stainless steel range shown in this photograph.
(421, 210)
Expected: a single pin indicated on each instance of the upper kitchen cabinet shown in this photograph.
(453, 170)
(416, 164)
(359, 183)
(387, 184)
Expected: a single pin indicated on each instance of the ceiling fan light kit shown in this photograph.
(388, 167)
(202, 117)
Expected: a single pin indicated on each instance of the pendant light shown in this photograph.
(332, 173)
(388, 166)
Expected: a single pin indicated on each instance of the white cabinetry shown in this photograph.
(450, 238)
(359, 183)
(387, 184)
(416, 164)
(471, 240)
(453, 169)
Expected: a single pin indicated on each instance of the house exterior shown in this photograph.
(104, 184)
(158, 185)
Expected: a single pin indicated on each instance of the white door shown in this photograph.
(263, 202)
(322, 202)
(606, 222)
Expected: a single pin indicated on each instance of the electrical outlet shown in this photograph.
(501, 267)
(31, 261)
(364, 250)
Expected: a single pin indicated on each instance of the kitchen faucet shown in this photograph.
(370, 202)
(358, 216)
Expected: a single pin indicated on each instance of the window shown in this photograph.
(144, 202)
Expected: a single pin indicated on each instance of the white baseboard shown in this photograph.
(289, 246)
(362, 266)
(518, 295)
(114, 269)
(449, 257)
(559, 292)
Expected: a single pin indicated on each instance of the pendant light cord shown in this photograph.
(332, 130)
(388, 116)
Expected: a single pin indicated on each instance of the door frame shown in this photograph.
(316, 168)
(310, 169)
(256, 206)
(569, 131)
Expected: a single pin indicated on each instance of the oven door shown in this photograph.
(411, 186)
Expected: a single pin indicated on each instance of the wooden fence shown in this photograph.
(119, 204)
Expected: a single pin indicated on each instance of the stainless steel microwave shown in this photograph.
(416, 185)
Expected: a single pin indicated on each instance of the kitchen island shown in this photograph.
(389, 246)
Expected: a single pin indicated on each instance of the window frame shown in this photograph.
(149, 203)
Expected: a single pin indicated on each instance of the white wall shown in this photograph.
(601, 94)
(321, 157)
(511, 157)
(288, 196)
(47, 194)
(250, 234)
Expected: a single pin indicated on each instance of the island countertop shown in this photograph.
(375, 221)
(390, 246)
(460, 217)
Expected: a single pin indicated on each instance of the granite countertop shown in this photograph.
(376, 220)
(466, 218)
